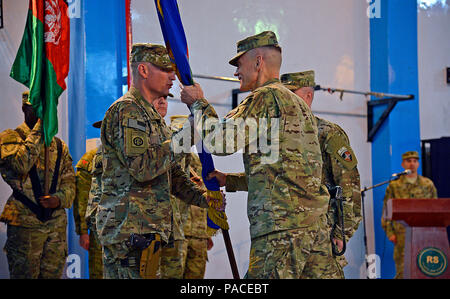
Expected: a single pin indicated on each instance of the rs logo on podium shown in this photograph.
(432, 261)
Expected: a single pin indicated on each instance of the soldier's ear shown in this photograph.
(143, 70)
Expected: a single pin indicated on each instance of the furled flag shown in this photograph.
(176, 44)
(42, 61)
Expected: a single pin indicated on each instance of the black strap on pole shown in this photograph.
(41, 213)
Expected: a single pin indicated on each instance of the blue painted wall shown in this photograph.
(394, 69)
(97, 78)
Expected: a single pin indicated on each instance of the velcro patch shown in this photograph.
(136, 124)
(136, 142)
(345, 154)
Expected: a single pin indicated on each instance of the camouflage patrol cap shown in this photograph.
(294, 81)
(25, 100)
(266, 38)
(410, 154)
(155, 54)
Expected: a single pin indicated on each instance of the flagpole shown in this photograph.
(231, 258)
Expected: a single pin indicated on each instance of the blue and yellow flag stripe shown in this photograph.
(176, 44)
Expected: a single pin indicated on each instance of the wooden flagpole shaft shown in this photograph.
(227, 240)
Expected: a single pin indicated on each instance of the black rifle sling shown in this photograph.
(48, 212)
(41, 213)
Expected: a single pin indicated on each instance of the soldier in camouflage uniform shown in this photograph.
(88, 241)
(339, 167)
(171, 253)
(36, 244)
(412, 185)
(287, 203)
(140, 171)
(196, 241)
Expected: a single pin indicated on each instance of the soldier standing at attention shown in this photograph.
(140, 172)
(88, 241)
(339, 169)
(36, 244)
(287, 203)
(411, 185)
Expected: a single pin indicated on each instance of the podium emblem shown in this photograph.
(432, 261)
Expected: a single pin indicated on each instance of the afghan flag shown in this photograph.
(42, 61)
(176, 44)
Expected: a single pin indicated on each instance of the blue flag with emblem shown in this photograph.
(176, 44)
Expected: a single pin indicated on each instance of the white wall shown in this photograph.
(331, 37)
(434, 57)
(11, 116)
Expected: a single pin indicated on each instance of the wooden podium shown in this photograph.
(427, 249)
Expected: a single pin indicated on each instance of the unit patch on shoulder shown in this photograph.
(345, 154)
(138, 141)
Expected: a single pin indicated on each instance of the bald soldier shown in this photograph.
(339, 168)
(283, 164)
(36, 244)
(411, 185)
(83, 227)
(140, 171)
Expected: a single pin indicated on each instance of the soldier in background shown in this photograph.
(339, 169)
(196, 241)
(88, 241)
(140, 172)
(411, 185)
(171, 266)
(287, 203)
(36, 244)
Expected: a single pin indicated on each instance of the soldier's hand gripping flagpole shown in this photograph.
(176, 44)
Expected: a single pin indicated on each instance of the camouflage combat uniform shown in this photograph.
(187, 257)
(139, 175)
(286, 201)
(339, 169)
(83, 182)
(34, 249)
(195, 245)
(401, 188)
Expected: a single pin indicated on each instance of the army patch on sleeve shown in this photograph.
(136, 142)
(346, 157)
(345, 154)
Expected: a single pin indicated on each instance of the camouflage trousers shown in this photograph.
(297, 253)
(185, 259)
(195, 255)
(95, 257)
(399, 254)
(117, 268)
(172, 265)
(35, 253)
(121, 262)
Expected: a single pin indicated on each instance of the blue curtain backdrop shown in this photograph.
(98, 77)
